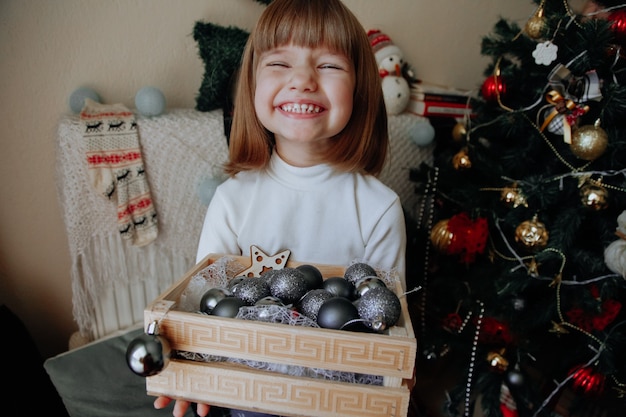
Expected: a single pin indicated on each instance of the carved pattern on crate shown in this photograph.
(290, 346)
(277, 393)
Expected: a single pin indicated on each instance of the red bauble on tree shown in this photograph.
(460, 235)
(618, 25)
(587, 381)
(493, 87)
(495, 331)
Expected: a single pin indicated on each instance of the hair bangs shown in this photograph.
(307, 23)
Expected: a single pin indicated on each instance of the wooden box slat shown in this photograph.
(235, 386)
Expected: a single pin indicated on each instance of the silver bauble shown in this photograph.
(228, 307)
(365, 284)
(211, 297)
(148, 354)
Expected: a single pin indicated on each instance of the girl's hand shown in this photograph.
(181, 406)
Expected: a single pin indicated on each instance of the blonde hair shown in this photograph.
(363, 144)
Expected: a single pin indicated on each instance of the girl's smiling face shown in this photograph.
(305, 97)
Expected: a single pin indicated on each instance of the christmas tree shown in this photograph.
(523, 271)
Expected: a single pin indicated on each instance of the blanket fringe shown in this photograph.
(107, 262)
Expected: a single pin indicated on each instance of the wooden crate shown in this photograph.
(391, 355)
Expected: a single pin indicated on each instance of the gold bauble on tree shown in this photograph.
(513, 197)
(589, 142)
(497, 362)
(440, 236)
(594, 196)
(459, 132)
(536, 25)
(532, 234)
(461, 160)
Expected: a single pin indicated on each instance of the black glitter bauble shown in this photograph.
(148, 354)
(365, 284)
(267, 275)
(380, 308)
(288, 284)
(357, 271)
(251, 290)
(228, 307)
(339, 287)
(336, 312)
(312, 275)
(211, 297)
(310, 304)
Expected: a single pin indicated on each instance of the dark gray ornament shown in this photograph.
(288, 284)
(365, 284)
(339, 287)
(148, 354)
(269, 301)
(211, 297)
(357, 271)
(251, 290)
(380, 308)
(336, 312)
(235, 281)
(312, 275)
(310, 304)
(228, 307)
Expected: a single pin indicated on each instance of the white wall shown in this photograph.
(49, 48)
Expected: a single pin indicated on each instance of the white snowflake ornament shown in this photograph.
(545, 53)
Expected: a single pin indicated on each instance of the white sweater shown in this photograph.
(320, 214)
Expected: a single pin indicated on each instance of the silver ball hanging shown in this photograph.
(148, 354)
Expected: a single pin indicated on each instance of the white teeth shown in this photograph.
(301, 108)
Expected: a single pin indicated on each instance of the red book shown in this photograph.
(430, 92)
(438, 108)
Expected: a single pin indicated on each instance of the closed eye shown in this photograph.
(331, 66)
(277, 64)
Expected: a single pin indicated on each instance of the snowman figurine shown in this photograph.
(390, 59)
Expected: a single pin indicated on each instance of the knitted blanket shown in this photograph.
(180, 150)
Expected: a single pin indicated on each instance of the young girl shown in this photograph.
(309, 135)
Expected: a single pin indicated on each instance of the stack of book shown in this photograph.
(430, 100)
